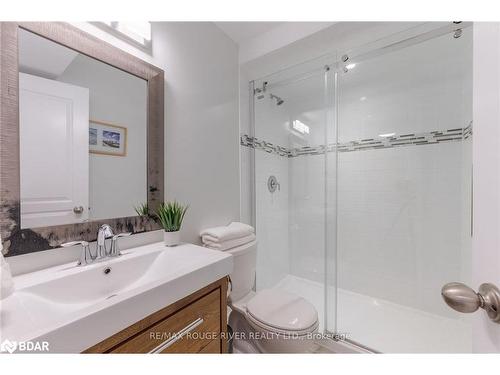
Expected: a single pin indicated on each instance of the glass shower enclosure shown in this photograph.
(362, 173)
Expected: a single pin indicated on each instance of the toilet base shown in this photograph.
(249, 339)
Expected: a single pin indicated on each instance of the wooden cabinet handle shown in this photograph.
(177, 336)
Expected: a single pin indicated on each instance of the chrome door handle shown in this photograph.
(464, 299)
(78, 210)
(177, 336)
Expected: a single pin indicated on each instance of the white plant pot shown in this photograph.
(172, 238)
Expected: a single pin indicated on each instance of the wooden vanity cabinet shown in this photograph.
(195, 324)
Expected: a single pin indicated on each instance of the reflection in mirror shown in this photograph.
(83, 135)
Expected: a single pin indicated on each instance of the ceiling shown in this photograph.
(255, 39)
(243, 31)
(43, 57)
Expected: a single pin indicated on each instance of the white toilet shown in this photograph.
(268, 321)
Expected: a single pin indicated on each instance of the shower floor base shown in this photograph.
(384, 326)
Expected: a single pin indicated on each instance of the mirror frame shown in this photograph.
(22, 241)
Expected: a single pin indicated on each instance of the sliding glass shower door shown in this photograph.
(362, 173)
(404, 193)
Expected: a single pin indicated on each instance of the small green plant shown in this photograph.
(170, 215)
(142, 209)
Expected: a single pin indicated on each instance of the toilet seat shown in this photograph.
(262, 327)
(280, 312)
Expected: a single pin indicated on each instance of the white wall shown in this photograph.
(307, 217)
(117, 183)
(273, 261)
(201, 118)
(401, 215)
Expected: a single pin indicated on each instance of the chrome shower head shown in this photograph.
(279, 101)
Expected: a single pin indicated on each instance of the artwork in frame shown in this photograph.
(107, 139)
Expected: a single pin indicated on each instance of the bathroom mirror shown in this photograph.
(86, 120)
(82, 143)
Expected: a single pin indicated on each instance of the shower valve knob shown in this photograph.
(464, 299)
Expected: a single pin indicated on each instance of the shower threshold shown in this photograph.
(381, 325)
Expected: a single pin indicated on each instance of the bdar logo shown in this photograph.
(24, 346)
(8, 346)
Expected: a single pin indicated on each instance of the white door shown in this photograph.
(54, 156)
(486, 177)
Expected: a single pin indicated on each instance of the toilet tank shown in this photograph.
(243, 275)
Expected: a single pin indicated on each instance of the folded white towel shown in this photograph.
(229, 244)
(6, 282)
(229, 232)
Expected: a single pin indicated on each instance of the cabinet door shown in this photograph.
(53, 117)
(189, 330)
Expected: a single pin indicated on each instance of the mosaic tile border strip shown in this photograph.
(403, 140)
(252, 142)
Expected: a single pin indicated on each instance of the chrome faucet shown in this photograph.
(105, 232)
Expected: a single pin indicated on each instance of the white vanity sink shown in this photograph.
(83, 286)
(75, 307)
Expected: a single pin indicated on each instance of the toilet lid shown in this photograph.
(282, 310)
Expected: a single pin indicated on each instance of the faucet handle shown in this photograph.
(85, 256)
(114, 252)
(125, 234)
(74, 243)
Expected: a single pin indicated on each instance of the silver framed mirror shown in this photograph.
(40, 204)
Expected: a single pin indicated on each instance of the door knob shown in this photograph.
(464, 299)
(78, 210)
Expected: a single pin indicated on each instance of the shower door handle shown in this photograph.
(464, 299)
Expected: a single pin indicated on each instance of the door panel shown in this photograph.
(53, 183)
(486, 177)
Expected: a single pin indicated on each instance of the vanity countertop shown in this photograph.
(73, 308)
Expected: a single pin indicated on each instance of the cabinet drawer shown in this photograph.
(189, 330)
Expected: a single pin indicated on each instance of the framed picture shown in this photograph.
(107, 139)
